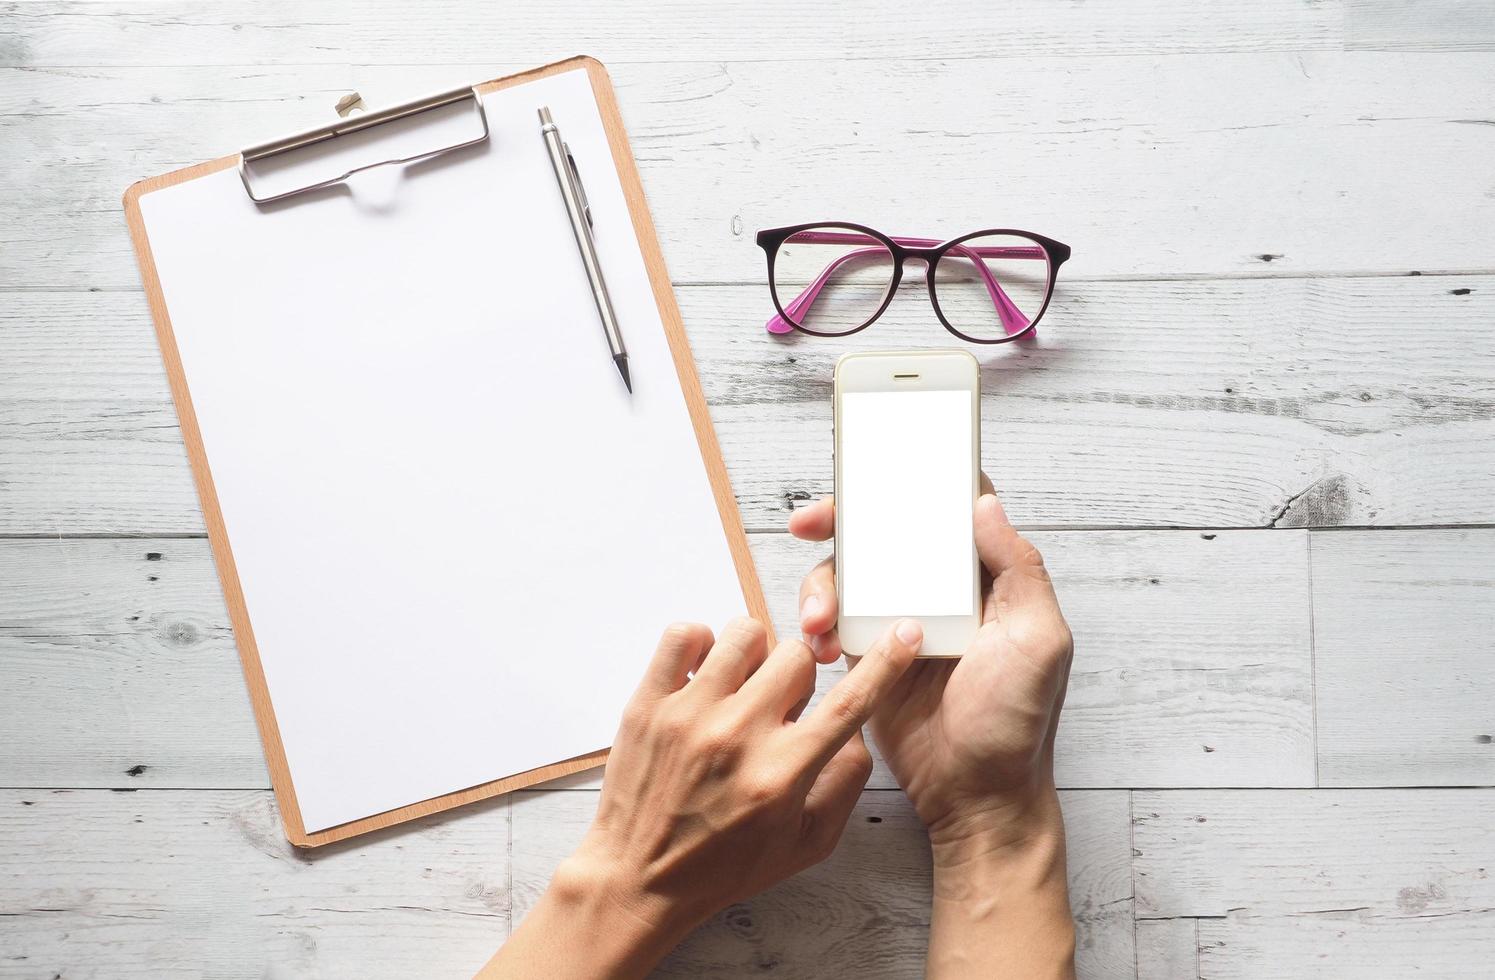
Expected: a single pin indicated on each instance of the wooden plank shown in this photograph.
(1208, 404)
(863, 913)
(118, 669)
(1239, 403)
(1394, 852)
(1167, 949)
(1404, 634)
(327, 31)
(1135, 143)
(1322, 883)
(86, 421)
(1441, 25)
(192, 884)
(1193, 663)
(1099, 856)
(1334, 946)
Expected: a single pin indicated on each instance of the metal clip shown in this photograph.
(345, 127)
(581, 188)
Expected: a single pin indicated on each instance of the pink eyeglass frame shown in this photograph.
(1014, 321)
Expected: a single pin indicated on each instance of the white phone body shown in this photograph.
(908, 472)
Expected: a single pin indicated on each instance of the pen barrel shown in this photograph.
(583, 233)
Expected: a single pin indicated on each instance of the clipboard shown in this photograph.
(257, 171)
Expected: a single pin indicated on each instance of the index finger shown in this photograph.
(848, 705)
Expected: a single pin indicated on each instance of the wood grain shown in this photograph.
(1404, 635)
(137, 631)
(1186, 166)
(1192, 665)
(863, 913)
(98, 884)
(1240, 403)
(1444, 25)
(1331, 947)
(241, 32)
(1167, 949)
(1322, 883)
(1284, 403)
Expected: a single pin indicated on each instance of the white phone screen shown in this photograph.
(905, 503)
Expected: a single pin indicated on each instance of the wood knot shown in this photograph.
(181, 634)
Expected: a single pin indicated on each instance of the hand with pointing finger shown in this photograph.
(715, 790)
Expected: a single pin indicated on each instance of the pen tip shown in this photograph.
(622, 361)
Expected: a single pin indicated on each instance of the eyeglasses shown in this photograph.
(832, 279)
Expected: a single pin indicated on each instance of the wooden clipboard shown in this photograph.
(254, 674)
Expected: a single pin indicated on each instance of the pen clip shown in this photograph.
(581, 189)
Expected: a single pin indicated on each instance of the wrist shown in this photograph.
(615, 927)
(608, 888)
(1001, 893)
(1003, 823)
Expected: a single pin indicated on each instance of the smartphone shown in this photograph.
(908, 447)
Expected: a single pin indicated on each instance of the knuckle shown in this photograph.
(751, 629)
(848, 709)
(681, 633)
(636, 720)
(716, 741)
(673, 725)
(765, 788)
(1030, 554)
(797, 652)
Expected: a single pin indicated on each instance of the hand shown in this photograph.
(715, 790)
(971, 741)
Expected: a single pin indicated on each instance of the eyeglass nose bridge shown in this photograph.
(926, 255)
(930, 256)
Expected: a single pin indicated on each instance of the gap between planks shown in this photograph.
(1063, 528)
(1122, 278)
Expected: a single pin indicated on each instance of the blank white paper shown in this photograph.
(905, 502)
(458, 537)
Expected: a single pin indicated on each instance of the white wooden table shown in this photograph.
(1256, 441)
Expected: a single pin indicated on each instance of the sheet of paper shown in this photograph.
(458, 537)
(905, 502)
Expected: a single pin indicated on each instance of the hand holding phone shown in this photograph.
(972, 743)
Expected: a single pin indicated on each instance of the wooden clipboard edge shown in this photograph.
(228, 576)
(674, 328)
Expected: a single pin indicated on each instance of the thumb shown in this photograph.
(1015, 566)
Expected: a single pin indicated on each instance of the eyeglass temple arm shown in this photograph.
(806, 298)
(1013, 319)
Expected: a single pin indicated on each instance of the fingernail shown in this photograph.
(992, 504)
(909, 631)
(809, 607)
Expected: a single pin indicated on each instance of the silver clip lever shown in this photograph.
(266, 153)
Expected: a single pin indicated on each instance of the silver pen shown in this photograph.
(580, 213)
